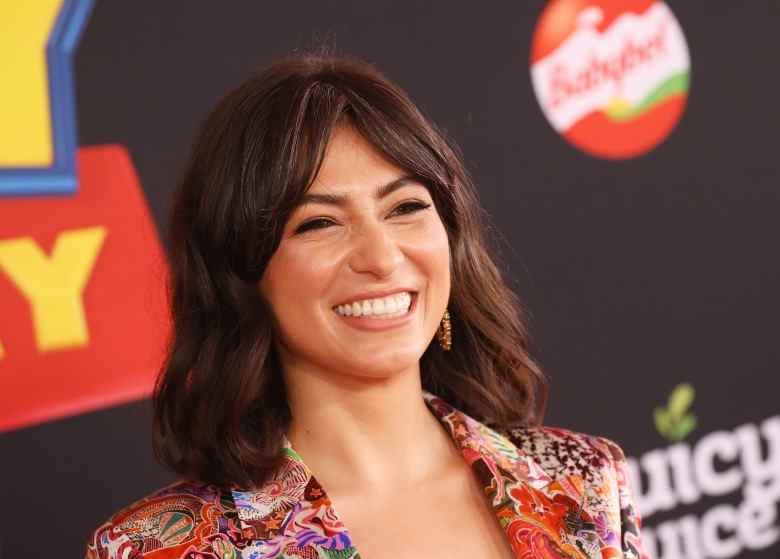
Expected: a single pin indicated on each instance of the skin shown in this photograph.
(359, 419)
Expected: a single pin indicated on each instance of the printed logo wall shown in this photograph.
(719, 492)
(611, 77)
(81, 267)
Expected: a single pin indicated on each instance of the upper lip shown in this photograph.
(376, 294)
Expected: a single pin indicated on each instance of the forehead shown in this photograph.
(352, 163)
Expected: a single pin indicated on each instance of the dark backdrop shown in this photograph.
(638, 275)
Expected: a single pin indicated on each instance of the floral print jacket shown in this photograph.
(556, 493)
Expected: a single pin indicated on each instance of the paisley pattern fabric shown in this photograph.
(556, 493)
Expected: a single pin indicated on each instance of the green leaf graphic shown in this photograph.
(680, 400)
(684, 427)
(662, 422)
(674, 422)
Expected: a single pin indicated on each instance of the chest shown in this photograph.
(450, 519)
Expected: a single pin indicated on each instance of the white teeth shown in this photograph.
(386, 307)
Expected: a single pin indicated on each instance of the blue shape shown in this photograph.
(60, 177)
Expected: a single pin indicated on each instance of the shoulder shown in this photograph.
(182, 515)
(601, 463)
(563, 452)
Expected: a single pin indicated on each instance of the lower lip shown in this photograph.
(378, 324)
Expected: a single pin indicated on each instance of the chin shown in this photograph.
(378, 365)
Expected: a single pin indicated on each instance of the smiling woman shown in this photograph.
(348, 370)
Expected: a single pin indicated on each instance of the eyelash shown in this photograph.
(308, 226)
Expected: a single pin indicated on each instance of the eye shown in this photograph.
(319, 223)
(402, 209)
(410, 207)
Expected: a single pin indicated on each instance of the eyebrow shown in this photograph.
(341, 200)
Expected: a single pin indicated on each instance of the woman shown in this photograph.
(348, 374)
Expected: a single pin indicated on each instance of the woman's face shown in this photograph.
(363, 241)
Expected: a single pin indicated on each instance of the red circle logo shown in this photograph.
(611, 76)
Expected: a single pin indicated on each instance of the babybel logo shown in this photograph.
(611, 77)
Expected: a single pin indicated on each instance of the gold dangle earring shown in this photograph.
(444, 332)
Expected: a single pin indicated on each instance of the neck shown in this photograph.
(358, 434)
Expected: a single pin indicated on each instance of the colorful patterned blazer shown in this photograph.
(556, 493)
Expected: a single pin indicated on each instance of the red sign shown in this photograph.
(83, 320)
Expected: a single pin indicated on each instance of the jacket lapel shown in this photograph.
(541, 516)
(289, 514)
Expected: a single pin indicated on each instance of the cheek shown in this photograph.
(439, 247)
(294, 277)
(434, 251)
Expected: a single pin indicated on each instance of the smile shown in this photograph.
(392, 305)
(380, 313)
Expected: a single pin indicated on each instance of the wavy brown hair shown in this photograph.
(220, 408)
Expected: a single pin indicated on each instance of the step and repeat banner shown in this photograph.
(626, 152)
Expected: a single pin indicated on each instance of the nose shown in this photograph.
(375, 251)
